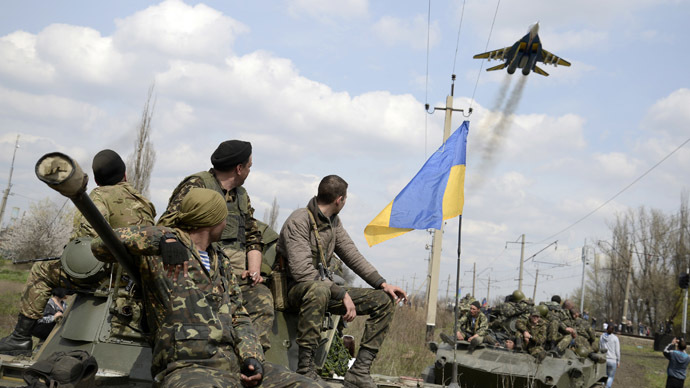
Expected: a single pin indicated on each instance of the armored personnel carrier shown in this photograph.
(489, 367)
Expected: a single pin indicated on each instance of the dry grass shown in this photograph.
(405, 351)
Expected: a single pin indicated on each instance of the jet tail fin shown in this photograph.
(498, 67)
(539, 70)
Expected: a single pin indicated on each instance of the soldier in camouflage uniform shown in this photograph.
(202, 335)
(121, 205)
(533, 331)
(308, 240)
(562, 333)
(241, 240)
(473, 326)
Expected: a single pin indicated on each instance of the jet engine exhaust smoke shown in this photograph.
(499, 131)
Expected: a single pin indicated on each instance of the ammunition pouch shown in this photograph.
(74, 369)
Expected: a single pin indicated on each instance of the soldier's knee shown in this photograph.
(318, 292)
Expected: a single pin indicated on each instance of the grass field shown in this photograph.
(640, 366)
(12, 279)
(405, 351)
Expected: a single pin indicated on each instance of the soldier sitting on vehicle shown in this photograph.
(121, 205)
(533, 332)
(473, 327)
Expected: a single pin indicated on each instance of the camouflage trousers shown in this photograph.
(258, 301)
(43, 278)
(275, 376)
(313, 299)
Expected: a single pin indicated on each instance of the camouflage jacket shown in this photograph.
(195, 319)
(584, 329)
(121, 205)
(538, 331)
(298, 244)
(480, 326)
(252, 238)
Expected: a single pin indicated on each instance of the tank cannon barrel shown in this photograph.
(64, 175)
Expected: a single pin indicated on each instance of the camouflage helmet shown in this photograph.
(543, 310)
(518, 296)
(582, 351)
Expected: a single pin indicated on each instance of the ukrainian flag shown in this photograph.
(435, 194)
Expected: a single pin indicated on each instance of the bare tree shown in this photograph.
(140, 163)
(42, 232)
(271, 214)
(652, 247)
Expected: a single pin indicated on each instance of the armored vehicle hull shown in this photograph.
(489, 367)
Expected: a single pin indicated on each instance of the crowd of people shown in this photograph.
(203, 279)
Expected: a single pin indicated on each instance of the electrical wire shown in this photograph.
(457, 43)
(481, 66)
(426, 81)
(619, 192)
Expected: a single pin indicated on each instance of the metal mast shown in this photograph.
(9, 182)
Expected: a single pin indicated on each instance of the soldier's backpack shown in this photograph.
(73, 369)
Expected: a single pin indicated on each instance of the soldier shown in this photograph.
(121, 205)
(308, 239)
(202, 334)
(473, 327)
(584, 344)
(563, 334)
(241, 240)
(533, 333)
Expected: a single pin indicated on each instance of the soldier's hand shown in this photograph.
(255, 276)
(175, 256)
(395, 292)
(351, 312)
(252, 372)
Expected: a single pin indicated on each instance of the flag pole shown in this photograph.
(454, 377)
(436, 245)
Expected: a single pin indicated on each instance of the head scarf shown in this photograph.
(199, 208)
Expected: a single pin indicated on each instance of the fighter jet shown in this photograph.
(524, 54)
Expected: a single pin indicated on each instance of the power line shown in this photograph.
(618, 193)
(481, 66)
(457, 43)
(426, 82)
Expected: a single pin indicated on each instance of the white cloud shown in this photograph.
(19, 59)
(670, 115)
(616, 164)
(327, 10)
(179, 30)
(80, 53)
(394, 31)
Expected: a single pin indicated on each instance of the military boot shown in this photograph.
(19, 342)
(358, 376)
(305, 364)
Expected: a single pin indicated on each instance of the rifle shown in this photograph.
(36, 260)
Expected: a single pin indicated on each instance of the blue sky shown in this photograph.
(339, 87)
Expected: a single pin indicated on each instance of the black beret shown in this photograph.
(476, 304)
(108, 168)
(231, 153)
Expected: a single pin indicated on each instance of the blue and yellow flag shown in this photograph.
(435, 194)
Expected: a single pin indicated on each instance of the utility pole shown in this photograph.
(9, 182)
(582, 282)
(534, 293)
(522, 262)
(474, 278)
(627, 286)
(437, 242)
(447, 287)
(488, 290)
